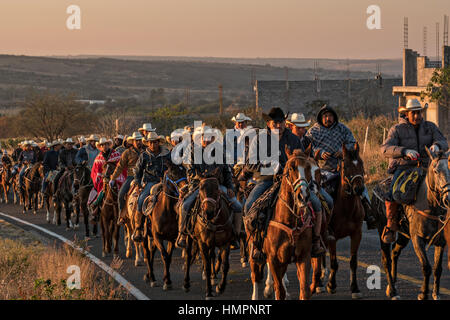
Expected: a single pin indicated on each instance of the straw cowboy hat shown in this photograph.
(55, 143)
(93, 137)
(101, 141)
(135, 136)
(298, 119)
(82, 139)
(275, 114)
(119, 136)
(152, 136)
(69, 141)
(240, 117)
(413, 105)
(147, 127)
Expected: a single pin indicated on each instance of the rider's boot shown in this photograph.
(317, 248)
(138, 232)
(389, 232)
(181, 240)
(237, 223)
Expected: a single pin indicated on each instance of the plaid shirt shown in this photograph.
(330, 140)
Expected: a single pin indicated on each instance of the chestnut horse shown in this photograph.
(212, 228)
(6, 182)
(31, 187)
(348, 215)
(109, 213)
(289, 234)
(164, 222)
(131, 223)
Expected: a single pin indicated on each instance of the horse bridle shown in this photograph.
(174, 184)
(215, 202)
(444, 191)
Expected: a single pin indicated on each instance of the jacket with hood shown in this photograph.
(404, 136)
(330, 139)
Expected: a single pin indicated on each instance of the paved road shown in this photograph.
(239, 284)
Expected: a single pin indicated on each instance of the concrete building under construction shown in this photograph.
(417, 73)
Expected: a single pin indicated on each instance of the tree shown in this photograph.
(52, 116)
(438, 89)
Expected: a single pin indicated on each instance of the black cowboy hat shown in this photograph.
(275, 114)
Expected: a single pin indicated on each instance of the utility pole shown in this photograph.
(405, 32)
(425, 41)
(220, 99)
(437, 41)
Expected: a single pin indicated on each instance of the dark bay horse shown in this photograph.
(5, 182)
(425, 222)
(348, 215)
(164, 222)
(82, 184)
(109, 213)
(212, 228)
(63, 198)
(31, 187)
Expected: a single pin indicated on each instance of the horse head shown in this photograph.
(297, 174)
(438, 177)
(352, 170)
(209, 193)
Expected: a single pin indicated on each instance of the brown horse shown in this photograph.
(82, 184)
(63, 198)
(15, 187)
(212, 228)
(131, 223)
(31, 187)
(164, 222)
(5, 182)
(348, 215)
(109, 213)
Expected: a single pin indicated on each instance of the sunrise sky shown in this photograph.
(228, 28)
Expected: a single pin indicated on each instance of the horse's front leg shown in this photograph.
(437, 271)
(354, 246)
(331, 285)
(278, 270)
(225, 255)
(419, 248)
(187, 264)
(205, 252)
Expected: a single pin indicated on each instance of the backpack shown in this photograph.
(405, 187)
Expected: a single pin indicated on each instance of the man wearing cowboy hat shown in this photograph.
(298, 125)
(17, 151)
(50, 163)
(81, 142)
(106, 155)
(327, 137)
(146, 129)
(127, 162)
(405, 144)
(149, 171)
(194, 174)
(119, 145)
(66, 159)
(88, 153)
(240, 121)
(27, 157)
(275, 120)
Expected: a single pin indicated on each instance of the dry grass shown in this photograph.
(35, 272)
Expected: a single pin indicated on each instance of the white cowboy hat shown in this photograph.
(55, 143)
(119, 136)
(135, 136)
(240, 117)
(413, 105)
(101, 141)
(69, 141)
(110, 141)
(147, 127)
(82, 139)
(298, 119)
(152, 136)
(93, 137)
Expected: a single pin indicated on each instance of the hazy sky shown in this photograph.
(226, 28)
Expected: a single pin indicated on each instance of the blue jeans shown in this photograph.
(258, 190)
(236, 206)
(123, 191)
(44, 182)
(21, 174)
(144, 194)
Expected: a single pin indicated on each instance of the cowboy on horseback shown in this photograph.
(26, 158)
(194, 174)
(66, 160)
(127, 161)
(405, 146)
(50, 162)
(119, 144)
(88, 153)
(149, 170)
(327, 137)
(275, 120)
(297, 124)
(106, 155)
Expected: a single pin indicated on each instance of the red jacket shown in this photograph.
(97, 170)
